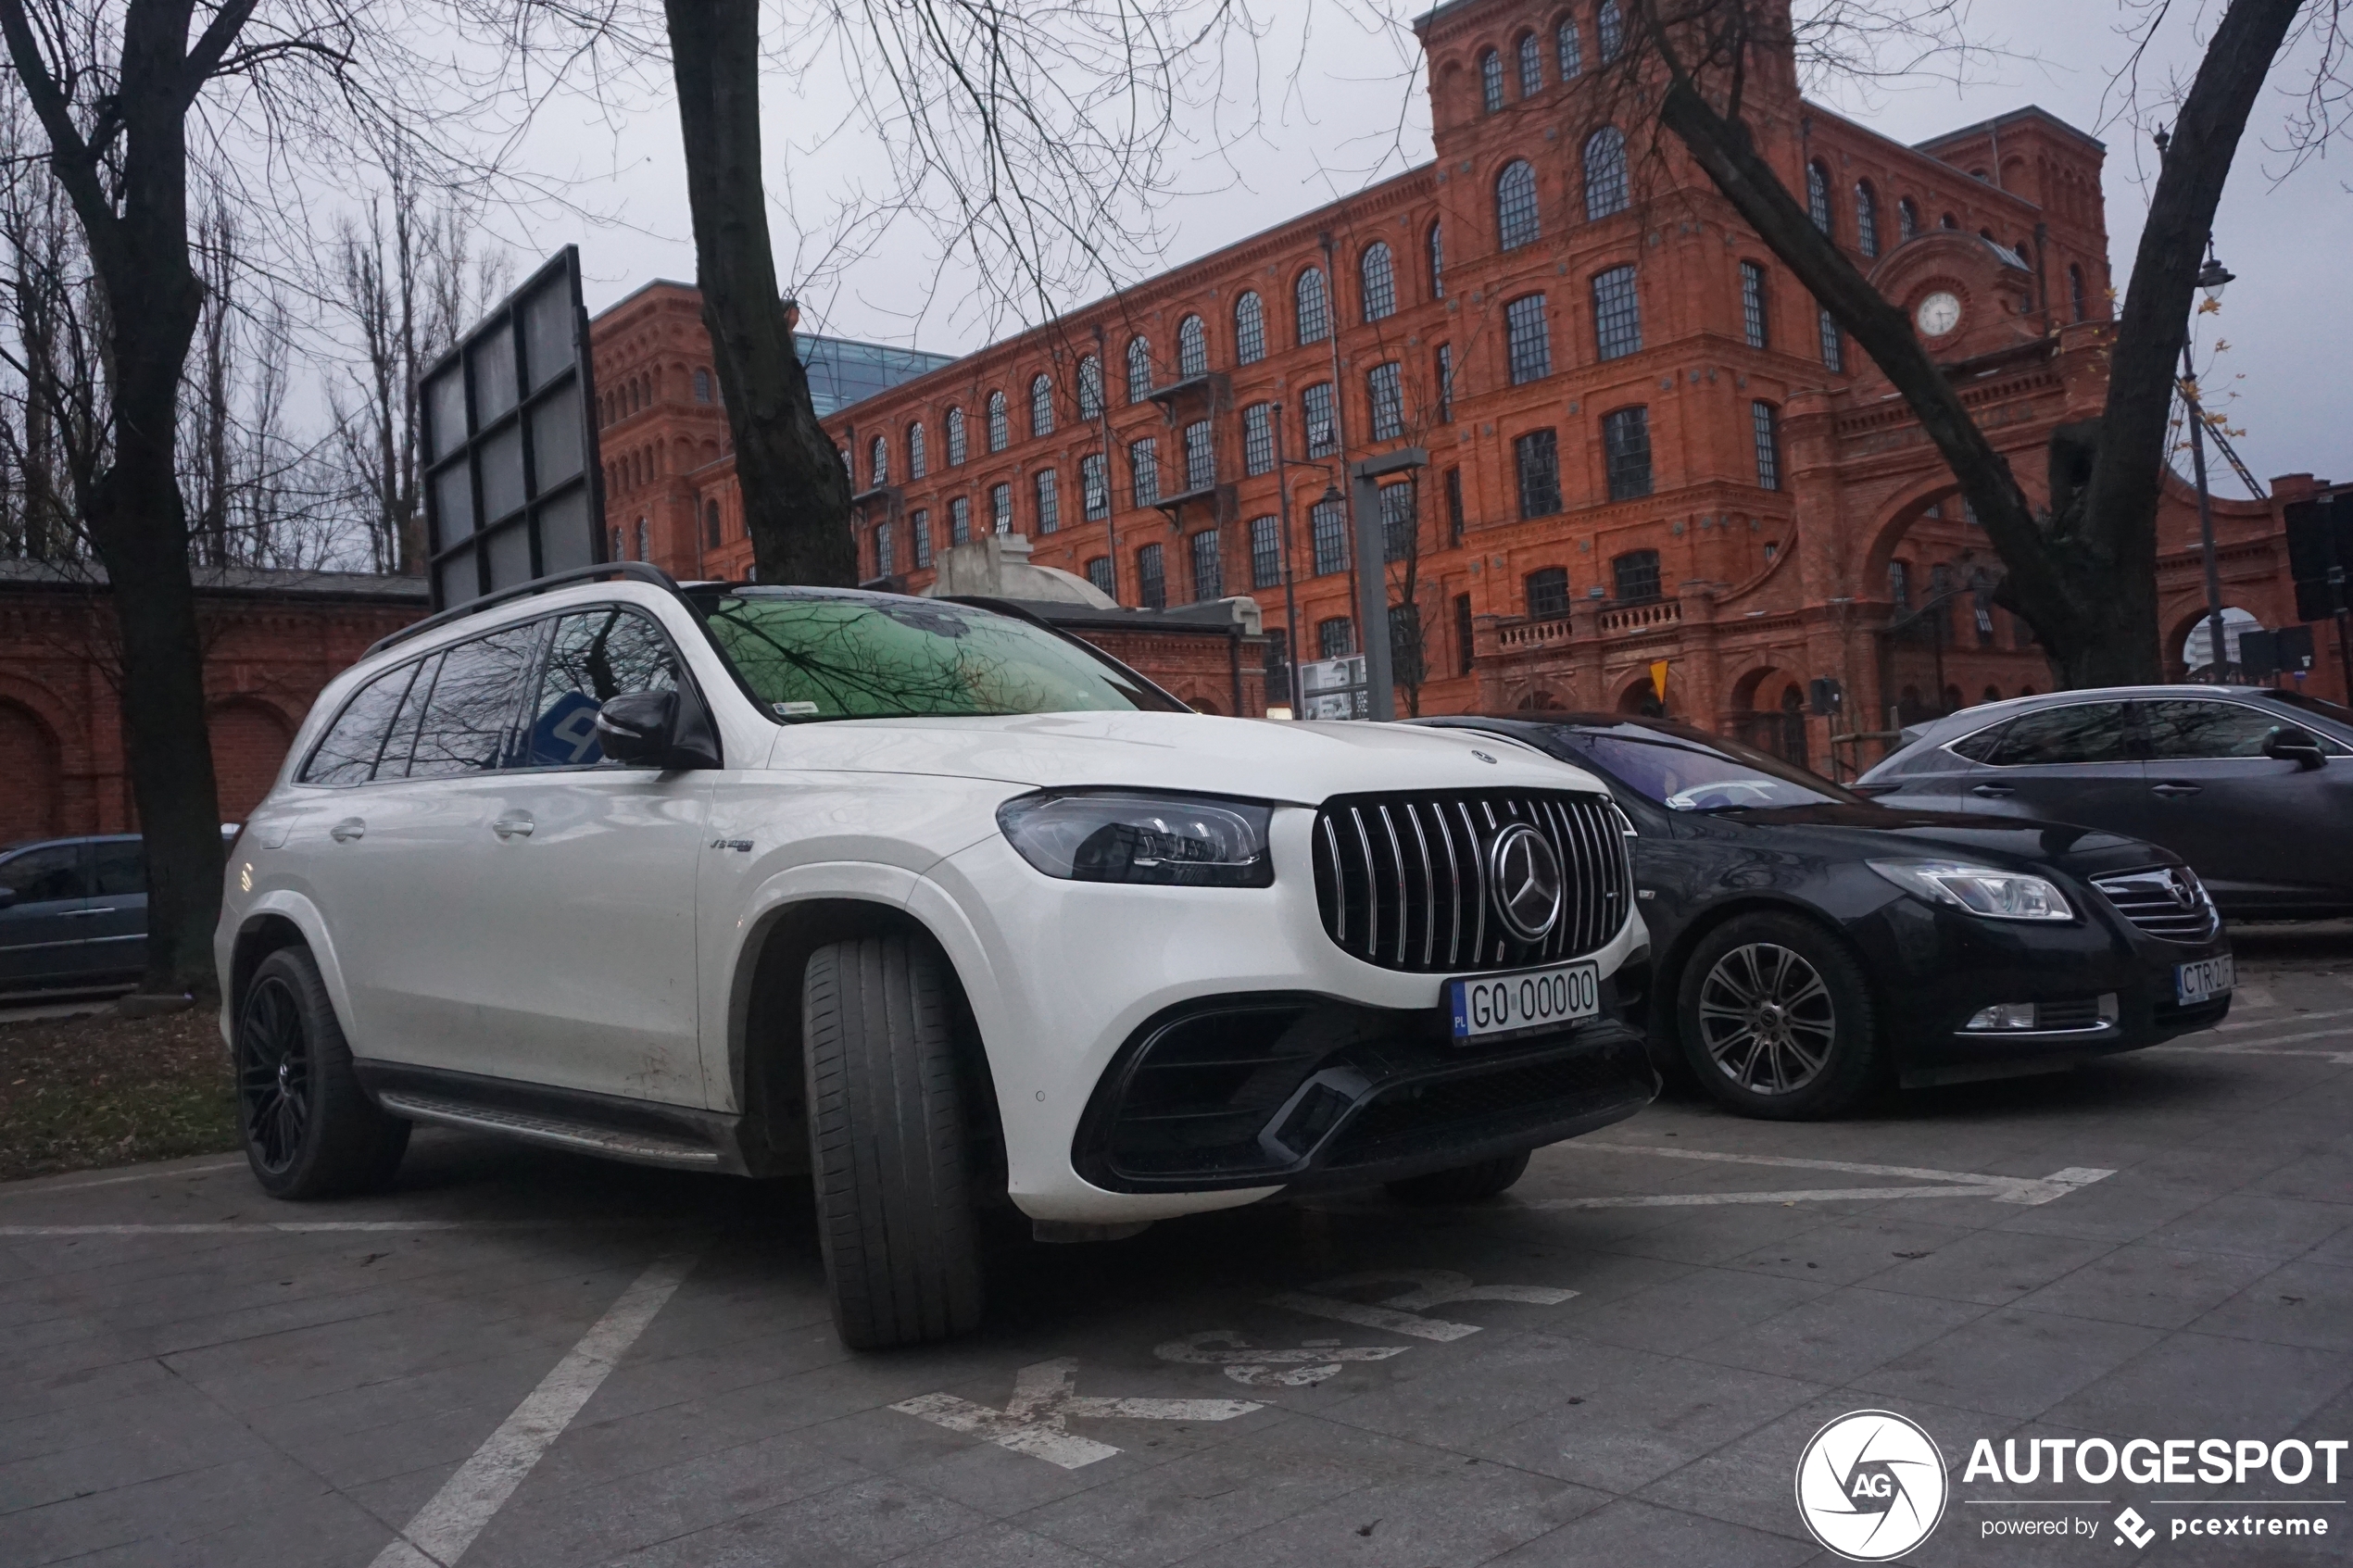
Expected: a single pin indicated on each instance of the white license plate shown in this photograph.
(1536, 999)
(2202, 980)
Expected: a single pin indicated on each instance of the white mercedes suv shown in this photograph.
(922, 899)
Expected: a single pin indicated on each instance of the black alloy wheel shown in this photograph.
(1776, 1019)
(310, 1129)
(273, 1075)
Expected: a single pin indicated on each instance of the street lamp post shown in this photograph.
(2213, 278)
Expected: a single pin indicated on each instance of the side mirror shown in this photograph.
(2293, 743)
(666, 730)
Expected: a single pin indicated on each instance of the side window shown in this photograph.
(1979, 747)
(2180, 730)
(468, 723)
(347, 755)
(2085, 732)
(45, 875)
(595, 655)
(122, 867)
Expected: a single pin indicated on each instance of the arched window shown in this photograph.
(711, 525)
(1570, 50)
(1908, 221)
(2075, 290)
(1091, 388)
(1042, 404)
(1605, 173)
(1377, 279)
(1000, 428)
(1531, 66)
(1490, 80)
(644, 550)
(1818, 195)
(955, 437)
(1139, 368)
(1192, 348)
(1611, 25)
(1865, 218)
(1249, 329)
(2025, 254)
(1948, 221)
(1516, 222)
(703, 384)
(918, 459)
(1314, 306)
(878, 462)
(1437, 261)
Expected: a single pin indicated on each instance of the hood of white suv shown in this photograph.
(1268, 759)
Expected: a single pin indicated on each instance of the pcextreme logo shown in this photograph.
(1870, 1485)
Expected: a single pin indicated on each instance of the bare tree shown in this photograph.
(409, 274)
(122, 96)
(2081, 571)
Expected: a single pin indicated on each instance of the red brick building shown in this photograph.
(272, 640)
(1646, 444)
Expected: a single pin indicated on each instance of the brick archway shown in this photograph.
(250, 740)
(31, 807)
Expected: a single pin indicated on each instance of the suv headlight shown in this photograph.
(1165, 840)
(1981, 890)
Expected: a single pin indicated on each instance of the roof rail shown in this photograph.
(642, 571)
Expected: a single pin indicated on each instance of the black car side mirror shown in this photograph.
(2292, 743)
(665, 729)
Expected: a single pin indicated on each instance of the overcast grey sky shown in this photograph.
(1356, 112)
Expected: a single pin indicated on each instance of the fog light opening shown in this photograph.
(2001, 1016)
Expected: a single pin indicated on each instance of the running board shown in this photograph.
(644, 1131)
(642, 1148)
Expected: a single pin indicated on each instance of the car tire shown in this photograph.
(1464, 1183)
(1776, 1020)
(889, 1143)
(309, 1130)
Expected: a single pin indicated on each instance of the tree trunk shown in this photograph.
(2085, 579)
(796, 493)
(138, 236)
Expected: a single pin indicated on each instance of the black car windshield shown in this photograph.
(1685, 770)
(807, 656)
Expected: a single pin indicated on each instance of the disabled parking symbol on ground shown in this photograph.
(1255, 1368)
(1402, 1314)
(1045, 1397)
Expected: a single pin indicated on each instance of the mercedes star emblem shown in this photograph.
(1524, 875)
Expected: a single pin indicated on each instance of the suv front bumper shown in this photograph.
(1064, 979)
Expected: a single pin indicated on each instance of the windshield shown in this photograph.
(1685, 770)
(811, 657)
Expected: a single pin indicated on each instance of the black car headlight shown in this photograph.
(1982, 890)
(1163, 840)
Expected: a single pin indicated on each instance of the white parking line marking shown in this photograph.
(2293, 1020)
(286, 1227)
(16, 1191)
(1044, 1398)
(1952, 1184)
(1255, 1368)
(1803, 1194)
(1402, 1314)
(447, 1525)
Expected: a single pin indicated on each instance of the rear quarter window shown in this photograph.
(347, 754)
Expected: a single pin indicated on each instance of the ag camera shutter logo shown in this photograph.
(1871, 1485)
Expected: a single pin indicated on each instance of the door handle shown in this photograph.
(347, 830)
(517, 824)
(2171, 790)
(1993, 792)
(83, 914)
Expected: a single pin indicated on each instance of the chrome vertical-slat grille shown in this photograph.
(2161, 901)
(1401, 881)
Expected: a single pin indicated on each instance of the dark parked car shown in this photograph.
(73, 912)
(1807, 942)
(2253, 787)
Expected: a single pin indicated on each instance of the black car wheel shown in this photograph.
(888, 1138)
(309, 1130)
(1776, 1020)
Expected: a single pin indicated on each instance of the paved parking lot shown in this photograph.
(524, 1358)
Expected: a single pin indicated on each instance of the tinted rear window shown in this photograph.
(2083, 732)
